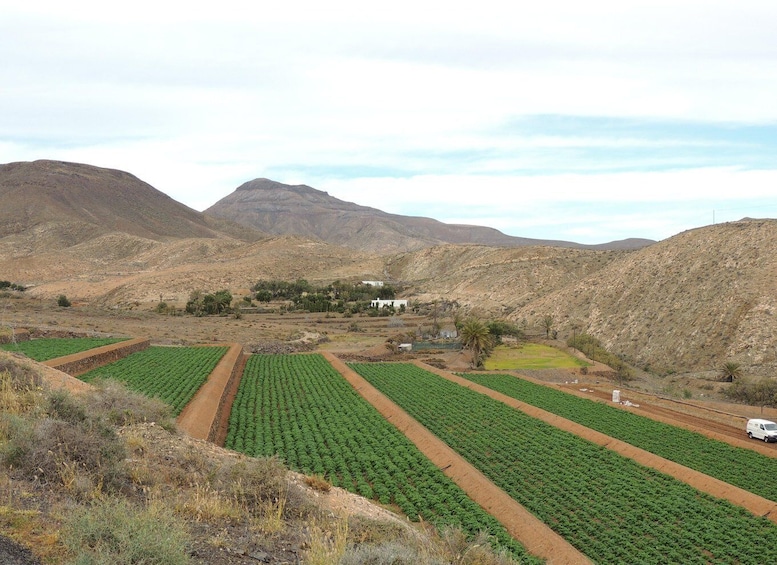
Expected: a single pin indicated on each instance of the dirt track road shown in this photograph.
(722, 425)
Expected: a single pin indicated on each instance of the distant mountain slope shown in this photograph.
(60, 204)
(278, 208)
(690, 302)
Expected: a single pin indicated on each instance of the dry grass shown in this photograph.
(87, 482)
(319, 483)
(327, 543)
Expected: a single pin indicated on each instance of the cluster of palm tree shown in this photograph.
(477, 338)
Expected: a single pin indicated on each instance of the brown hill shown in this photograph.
(691, 302)
(51, 204)
(688, 303)
(278, 208)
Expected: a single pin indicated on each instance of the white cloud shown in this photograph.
(420, 95)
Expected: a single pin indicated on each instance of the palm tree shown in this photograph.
(730, 371)
(476, 337)
(547, 323)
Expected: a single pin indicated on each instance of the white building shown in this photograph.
(373, 283)
(381, 303)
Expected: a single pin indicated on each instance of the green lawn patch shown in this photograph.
(531, 356)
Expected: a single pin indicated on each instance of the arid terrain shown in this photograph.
(105, 239)
(115, 247)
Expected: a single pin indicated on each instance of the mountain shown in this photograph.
(278, 208)
(53, 204)
(688, 303)
(691, 302)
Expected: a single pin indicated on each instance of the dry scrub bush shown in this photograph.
(452, 546)
(72, 440)
(113, 532)
(327, 543)
(319, 483)
(121, 407)
(20, 387)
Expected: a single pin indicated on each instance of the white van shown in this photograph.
(762, 429)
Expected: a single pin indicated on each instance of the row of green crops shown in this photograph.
(45, 349)
(299, 407)
(606, 505)
(738, 466)
(172, 374)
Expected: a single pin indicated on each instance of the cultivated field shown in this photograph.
(46, 349)
(299, 407)
(607, 506)
(744, 468)
(172, 374)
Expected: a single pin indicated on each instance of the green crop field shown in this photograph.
(299, 407)
(530, 356)
(45, 349)
(172, 374)
(747, 469)
(606, 505)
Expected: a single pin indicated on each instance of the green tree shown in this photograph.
(477, 339)
(63, 301)
(500, 328)
(547, 323)
(730, 371)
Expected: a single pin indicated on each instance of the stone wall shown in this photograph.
(80, 363)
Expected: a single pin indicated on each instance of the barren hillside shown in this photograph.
(492, 280)
(691, 302)
(54, 204)
(688, 303)
(278, 208)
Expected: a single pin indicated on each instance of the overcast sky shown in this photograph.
(583, 121)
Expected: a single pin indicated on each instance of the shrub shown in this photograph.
(113, 401)
(253, 481)
(65, 444)
(63, 301)
(116, 533)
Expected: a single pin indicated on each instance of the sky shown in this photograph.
(580, 121)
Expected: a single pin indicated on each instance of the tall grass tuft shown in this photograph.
(113, 532)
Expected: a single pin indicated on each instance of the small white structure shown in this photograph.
(390, 303)
(373, 283)
(616, 396)
(405, 347)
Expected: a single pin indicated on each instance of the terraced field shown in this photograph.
(299, 407)
(741, 467)
(172, 374)
(606, 505)
(45, 349)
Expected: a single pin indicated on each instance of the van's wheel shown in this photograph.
(766, 439)
(750, 435)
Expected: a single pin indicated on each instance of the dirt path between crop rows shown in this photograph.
(715, 424)
(756, 504)
(207, 413)
(536, 537)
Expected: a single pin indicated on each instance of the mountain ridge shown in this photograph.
(687, 303)
(282, 209)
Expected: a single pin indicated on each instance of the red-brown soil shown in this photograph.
(756, 504)
(538, 538)
(202, 417)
